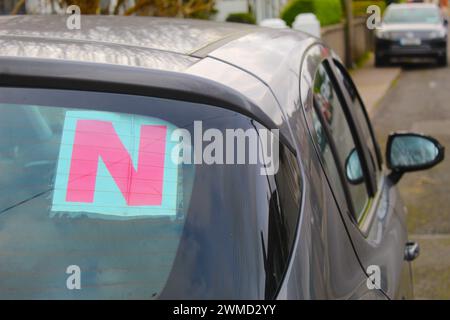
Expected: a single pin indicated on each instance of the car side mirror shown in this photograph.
(407, 152)
(445, 22)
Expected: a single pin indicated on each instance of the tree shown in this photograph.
(173, 8)
(18, 7)
(348, 32)
(86, 6)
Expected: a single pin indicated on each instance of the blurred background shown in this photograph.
(399, 96)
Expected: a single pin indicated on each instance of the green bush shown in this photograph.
(241, 17)
(295, 7)
(327, 11)
(360, 7)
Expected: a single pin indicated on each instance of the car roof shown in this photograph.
(160, 43)
(255, 62)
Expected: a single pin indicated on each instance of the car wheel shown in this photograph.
(442, 61)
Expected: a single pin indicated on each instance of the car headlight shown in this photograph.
(438, 34)
(381, 34)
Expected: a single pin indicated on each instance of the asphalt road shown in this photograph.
(419, 101)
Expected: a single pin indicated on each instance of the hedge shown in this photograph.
(241, 17)
(360, 7)
(327, 11)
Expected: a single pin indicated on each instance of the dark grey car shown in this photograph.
(412, 30)
(329, 224)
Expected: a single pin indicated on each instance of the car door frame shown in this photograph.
(366, 220)
(323, 264)
(342, 200)
(373, 234)
(380, 236)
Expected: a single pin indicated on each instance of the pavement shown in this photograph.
(373, 83)
(417, 98)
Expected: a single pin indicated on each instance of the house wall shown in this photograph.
(42, 7)
(262, 9)
(49, 7)
(267, 9)
(6, 6)
(363, 38)
(225, 7)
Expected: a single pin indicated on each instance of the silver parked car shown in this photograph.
(413, 30)
(91, 207)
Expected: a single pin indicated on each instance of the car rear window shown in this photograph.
(88, 184)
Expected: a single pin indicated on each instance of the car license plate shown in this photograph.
(410, 42)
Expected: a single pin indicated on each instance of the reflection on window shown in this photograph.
(208, 247)
(329, 109)
(283, 218)
(358, 108)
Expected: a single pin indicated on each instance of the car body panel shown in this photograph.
(12, 46)
(181, 36)
(411, 27)
(385, 237)
(243, 82)
(427, 48)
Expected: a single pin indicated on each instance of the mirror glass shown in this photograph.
(353, 168)
(410, 151)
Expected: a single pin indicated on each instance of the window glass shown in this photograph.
(412, 15)
(283, 219)
(191, 231)
(330, 111)
(326, 153)
(361, 116)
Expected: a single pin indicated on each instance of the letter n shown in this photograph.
(94, 139)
